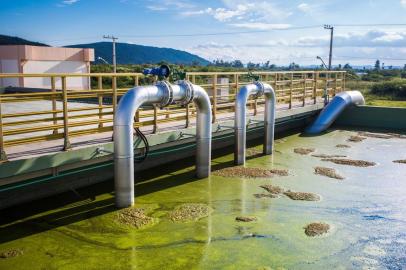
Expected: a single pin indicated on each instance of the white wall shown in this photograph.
(8, 66)
(56, 67)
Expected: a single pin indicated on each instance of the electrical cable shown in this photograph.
(141, 158)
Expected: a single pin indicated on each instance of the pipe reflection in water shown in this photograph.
(163, 94)
(258, 89)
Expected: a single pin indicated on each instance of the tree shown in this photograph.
(347, 66)
(377, 65)
(237, 64)
(293, 66)
(404, 67)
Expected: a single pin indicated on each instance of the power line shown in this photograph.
(370, 58)
(240, 32)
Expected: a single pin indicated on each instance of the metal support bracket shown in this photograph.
(3, 156)
(66, 145)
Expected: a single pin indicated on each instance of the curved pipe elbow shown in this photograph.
(331, 112)
(240, 118)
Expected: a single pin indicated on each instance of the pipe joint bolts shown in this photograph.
(167, 98)
(261, 89)
(189, 92)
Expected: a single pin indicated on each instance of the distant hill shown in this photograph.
(9, 40)
(138, 54)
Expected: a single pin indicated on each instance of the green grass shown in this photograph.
(374, 100)
(386, 103)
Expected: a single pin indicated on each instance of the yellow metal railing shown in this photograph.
(73, 112)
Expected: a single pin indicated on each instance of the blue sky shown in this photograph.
(64, 22)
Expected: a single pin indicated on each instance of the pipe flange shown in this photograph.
(261, 90)
(168, 98)
(190, 92)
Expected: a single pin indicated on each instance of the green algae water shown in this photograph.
(366, 212)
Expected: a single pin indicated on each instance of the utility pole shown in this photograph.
(330, 56)
(113, 39)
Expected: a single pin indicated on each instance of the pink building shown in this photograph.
(37, 59)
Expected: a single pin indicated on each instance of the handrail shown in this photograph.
(57, 108)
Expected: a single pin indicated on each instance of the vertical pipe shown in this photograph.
(270, 111)
(123, 132)
(203, 132)
(66, 142)
(240, 125)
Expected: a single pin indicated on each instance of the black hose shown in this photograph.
(141, 158)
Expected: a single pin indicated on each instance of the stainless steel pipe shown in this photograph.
(258, 89)
(163, 94)
(333, 109)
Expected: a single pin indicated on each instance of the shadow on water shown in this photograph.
(80, 204)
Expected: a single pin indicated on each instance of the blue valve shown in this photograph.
(162, 71)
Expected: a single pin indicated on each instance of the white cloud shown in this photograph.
(304, 7)
(389, 37)
(261, 26)
(69, 2)
(238, 10)
(220, 14)
(156, 8)
(373, 38)
(403, 3)
(169, 4)
(260, 10)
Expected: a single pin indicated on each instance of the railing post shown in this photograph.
(291, 91)
(315, 78)
(214, 97)
(256, 100)
(187, 116)
(114, 87)
(191, 105)
(335, 84)
(54, 108)
(236, 83)
(100, 99)
(343, 83)
(155, 127)
(3, 156)
(304, 78)
(136, 80)
(66, 142)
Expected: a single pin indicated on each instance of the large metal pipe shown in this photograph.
(163, 94)
(333, 109)
(258, 89)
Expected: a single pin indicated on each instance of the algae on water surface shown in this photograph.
(87, 235)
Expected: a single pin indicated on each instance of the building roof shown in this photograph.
(27, 52)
